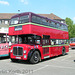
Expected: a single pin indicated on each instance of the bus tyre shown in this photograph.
(35, 58)
(63, 51)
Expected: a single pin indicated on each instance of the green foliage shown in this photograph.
(71, 27)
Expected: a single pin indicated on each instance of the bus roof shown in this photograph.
(26, 13)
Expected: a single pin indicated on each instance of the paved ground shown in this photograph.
(61, 65)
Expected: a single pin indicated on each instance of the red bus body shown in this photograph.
(46, 51)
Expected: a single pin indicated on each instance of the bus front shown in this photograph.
(24, 42)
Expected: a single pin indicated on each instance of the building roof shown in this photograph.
(6, 15)
(51, 16)
(9, 15)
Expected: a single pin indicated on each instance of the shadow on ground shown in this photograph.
(27, 62)
(3, 58)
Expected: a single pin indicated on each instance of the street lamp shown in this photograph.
(18, 10)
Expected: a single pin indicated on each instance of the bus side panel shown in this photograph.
(4, 51)
(53, 51)
(67, 48)
(34, 29)
(54, 33)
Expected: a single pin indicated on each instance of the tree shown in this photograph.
(71, 27)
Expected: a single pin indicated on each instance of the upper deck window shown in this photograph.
(24, 19)
(48, 22)
(52, 24)
(62, 27)
(39, 20)
(14, 20)
(57, 25)
(65, 27)
(44, 21)
(36, 19)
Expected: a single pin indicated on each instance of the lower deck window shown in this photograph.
(58, 41)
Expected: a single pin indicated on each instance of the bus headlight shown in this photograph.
(25, 56)
(24, 51)
(11, 51)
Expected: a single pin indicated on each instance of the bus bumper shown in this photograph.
(24, 57)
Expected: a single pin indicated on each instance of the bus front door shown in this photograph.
(45, 43)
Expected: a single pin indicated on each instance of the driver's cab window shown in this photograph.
(29, 39)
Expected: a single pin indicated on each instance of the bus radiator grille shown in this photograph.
(18, 51)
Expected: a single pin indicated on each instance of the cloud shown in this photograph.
(25, 2)
(4, 2)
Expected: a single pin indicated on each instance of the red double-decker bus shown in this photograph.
(37, 37)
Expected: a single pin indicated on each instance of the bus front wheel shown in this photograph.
(35, 58)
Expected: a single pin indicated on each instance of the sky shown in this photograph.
(61, 8)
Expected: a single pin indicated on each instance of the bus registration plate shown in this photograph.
(18, 57)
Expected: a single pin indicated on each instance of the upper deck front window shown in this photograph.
(24, 19)
(14, 20)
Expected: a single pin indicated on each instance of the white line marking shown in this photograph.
(41, 68)
(66, 58)
(62, 67)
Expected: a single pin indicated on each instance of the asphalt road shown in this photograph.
(60, 65)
